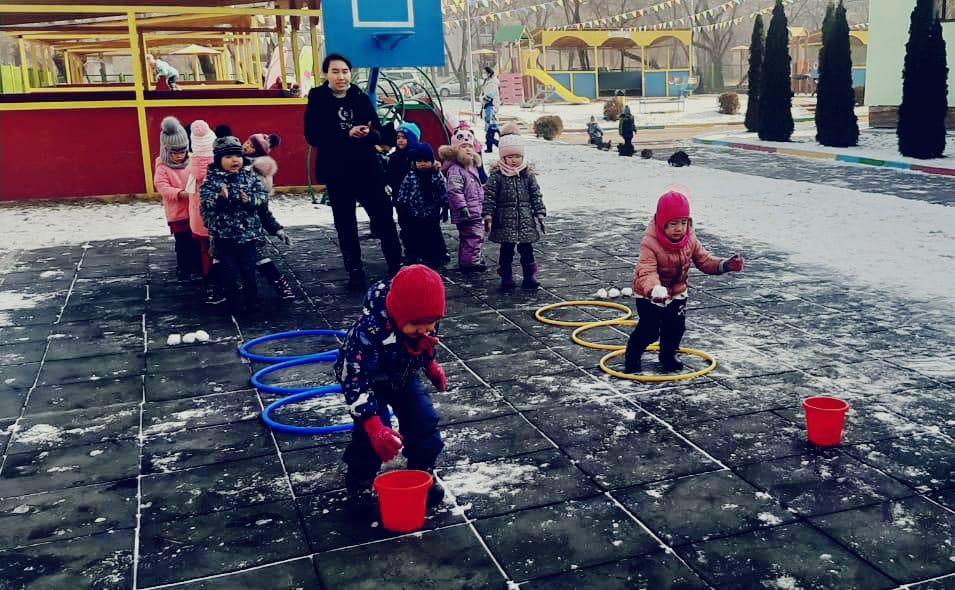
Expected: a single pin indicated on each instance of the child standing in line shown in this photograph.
(399, 160)
(660, 281)
(258, 145)
(514, 212)
(199, 162)
(465, 197)
(229, 197)
(421, 202)
(379, 364)
(171, 178)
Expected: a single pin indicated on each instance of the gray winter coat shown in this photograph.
(513, 203)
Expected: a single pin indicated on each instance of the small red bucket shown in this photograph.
(403, 499)
(825, 419)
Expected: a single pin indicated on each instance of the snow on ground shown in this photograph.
(701, 109)
(878, 144)
(901, 245)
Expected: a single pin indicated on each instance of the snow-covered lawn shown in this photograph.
(877, 144)
(901, 245)
(700, 110)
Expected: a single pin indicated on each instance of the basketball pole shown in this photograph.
(470, 65)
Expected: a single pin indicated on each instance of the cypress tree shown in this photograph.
(755, 75)
(921, 129)
(776, 95)
(836, 123)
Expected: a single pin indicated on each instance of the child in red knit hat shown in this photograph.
(660, 282)
(378, 365)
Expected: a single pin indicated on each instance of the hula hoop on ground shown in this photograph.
(539, 314)
(300, 397)
(658, 378)
(575, 335)
(315, 359)
(245, 348)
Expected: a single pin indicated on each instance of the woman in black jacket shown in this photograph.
(342, 124)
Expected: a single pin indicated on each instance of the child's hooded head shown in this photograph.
(422, 156)
(408, 136)
(228, 154)
(202, 138)
(416, 301)
(173, 143)
(672, 221)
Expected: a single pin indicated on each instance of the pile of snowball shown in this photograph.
(613, 293)
(197, 336)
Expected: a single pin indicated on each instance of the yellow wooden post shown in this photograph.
(66, 66)
(643, 71)
(257, 61)
(295, 57)
(217, 65)
(249, 59)
(138, 82)
(313, 34)
(281, 26)
(24, 66)
(195, 66)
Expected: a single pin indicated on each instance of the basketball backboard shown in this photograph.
(385, 33)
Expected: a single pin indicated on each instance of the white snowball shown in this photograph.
(613, 293)
(202, 336)
(602, 293)
(626, 292)
(173, 339)
(189, 338)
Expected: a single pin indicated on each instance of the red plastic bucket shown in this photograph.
(403, 499)
(825, 419)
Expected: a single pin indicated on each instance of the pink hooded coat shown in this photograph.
(169, 182)
(198, 167)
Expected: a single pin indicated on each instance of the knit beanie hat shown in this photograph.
(223, 130)
(672, 205)
(422, 153)
(416, 295)
(226, 146)
(202, 138)
(411, 131)
(510, 128)
(172, 138)
(263, 143)
(511, 145)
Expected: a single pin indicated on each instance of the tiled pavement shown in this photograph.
(128, 463)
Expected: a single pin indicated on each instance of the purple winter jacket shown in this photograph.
(464, 185)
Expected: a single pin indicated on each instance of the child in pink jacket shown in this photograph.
(460, 162)
(660, 282)
(171, 178)
(199, 161)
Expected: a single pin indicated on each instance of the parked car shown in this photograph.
(453, 88)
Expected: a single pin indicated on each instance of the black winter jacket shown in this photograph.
(342, 159)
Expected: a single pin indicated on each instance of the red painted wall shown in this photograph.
(286, 120)
(69, 153)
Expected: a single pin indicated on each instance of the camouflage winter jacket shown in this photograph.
(229, 218)
(420, 202)
(373, 357)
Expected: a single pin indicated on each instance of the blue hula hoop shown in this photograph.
(300, 397)
(245, 348)
(323, 357)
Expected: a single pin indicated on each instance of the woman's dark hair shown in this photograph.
(489, 71)
(334, 57)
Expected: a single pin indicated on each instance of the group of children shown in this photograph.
(215, 191)
(505, 206)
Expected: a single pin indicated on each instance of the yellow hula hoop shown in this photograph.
(539, 314)
(658, 378)
(575, 335)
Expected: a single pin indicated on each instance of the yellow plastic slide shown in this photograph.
(561, 90)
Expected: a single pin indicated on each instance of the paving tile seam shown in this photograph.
(227, 574)
(137, 534)
(69, 540)
(26, 400)
(911, 585)
(847, 547)
(663, 544)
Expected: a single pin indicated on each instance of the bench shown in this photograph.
(644, 102)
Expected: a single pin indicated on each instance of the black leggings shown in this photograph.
(378, 207)
(666, 323)
(526, 250)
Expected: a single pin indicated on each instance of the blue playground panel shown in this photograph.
(681, 77)
(858, 76)
(585, 84)
(655, 84)
(387, 34)
(562, 79)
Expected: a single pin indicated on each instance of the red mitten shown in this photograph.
(734, 263)
(386, 441)
(437, 376)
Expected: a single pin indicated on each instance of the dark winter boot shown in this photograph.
(530, 277)
(213, 288)
(357, 281)
(632, 366)
(283, 288)
(435, 494)
(507, 278)
(669, 362)
(360, 497)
